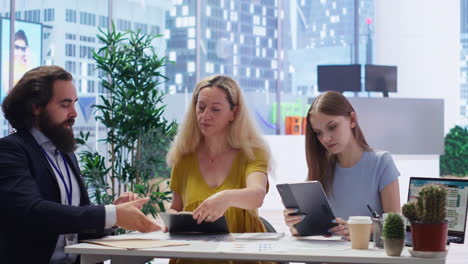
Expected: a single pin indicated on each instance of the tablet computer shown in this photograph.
(312, 202)
(184, 223)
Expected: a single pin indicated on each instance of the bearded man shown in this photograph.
(44, 204)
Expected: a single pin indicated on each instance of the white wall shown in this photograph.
(422, 37)
(289, 155)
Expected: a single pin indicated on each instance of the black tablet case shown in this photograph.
(312, 202)
(184, 223)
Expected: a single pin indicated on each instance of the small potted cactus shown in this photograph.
(427, 217)
(393, 234)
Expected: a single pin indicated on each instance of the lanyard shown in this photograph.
(68, 189)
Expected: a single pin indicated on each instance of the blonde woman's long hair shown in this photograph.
(320, 162)
(242, 132)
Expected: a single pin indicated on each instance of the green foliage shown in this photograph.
(455, 160)
(430, 207)
(410, 211)
(154, 147)
(94, 171)
(434, 199)
(138, 136)
(393, 227)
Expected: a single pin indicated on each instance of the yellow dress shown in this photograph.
(187, 181)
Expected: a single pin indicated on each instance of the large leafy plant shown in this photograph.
(455, 160)
(132, 110)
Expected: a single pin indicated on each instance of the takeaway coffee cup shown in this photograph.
(359, 231)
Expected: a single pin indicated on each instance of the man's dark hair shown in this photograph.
(35, 87)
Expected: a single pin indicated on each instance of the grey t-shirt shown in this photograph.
(355, 188)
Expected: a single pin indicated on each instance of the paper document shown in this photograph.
(136, 235)
(320, 238)
(239, 247)
(135, 243)
(260, 236)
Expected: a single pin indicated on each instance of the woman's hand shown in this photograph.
(341, 229)
(126, 197)
(212, 208)
(291, 220)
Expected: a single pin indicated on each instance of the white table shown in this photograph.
(206, 247)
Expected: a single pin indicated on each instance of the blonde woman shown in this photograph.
(219, 160)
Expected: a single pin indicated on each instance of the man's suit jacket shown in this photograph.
(31, 213)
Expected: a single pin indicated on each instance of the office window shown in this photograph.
(89, 39)
(49, 14)
(70, 36)
(70, 15)
(123, 25)
(91, 69)
(90, 52)
(90, 86)
(103, 21)
(101, 89)
(87, 19)
(142, 27)
(70, 66)
(70, 50)
(83, 50)
(60, 42)
(83, 18)
(155, 30)
(32, 15)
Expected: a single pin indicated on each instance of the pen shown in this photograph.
(374, 213)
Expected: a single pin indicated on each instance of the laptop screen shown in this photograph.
(457, 200)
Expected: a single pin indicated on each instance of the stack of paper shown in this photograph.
(134, 243)
(249, 247)
(260, 236)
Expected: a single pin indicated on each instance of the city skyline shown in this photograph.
(237, 38)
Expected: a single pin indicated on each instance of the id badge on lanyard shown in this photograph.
(70, 239)
(68, 187)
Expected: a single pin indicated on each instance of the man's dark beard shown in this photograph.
(63, 138)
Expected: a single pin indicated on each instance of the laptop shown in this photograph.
(457, 205)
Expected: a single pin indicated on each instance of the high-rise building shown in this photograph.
(70, 30)
(322, 32)
(236, 38)
(244, 39)
(464, 62)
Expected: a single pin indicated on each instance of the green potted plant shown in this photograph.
(131, 109)
(455, 160)
(427, 217)
(393, 234)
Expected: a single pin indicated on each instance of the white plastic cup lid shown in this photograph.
(359, 220)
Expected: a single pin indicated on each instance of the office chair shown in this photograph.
(270, 229)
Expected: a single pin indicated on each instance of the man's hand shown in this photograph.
(130, 217)
(126, 197)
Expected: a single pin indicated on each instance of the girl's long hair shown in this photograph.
(242, 132)
(320, 162)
